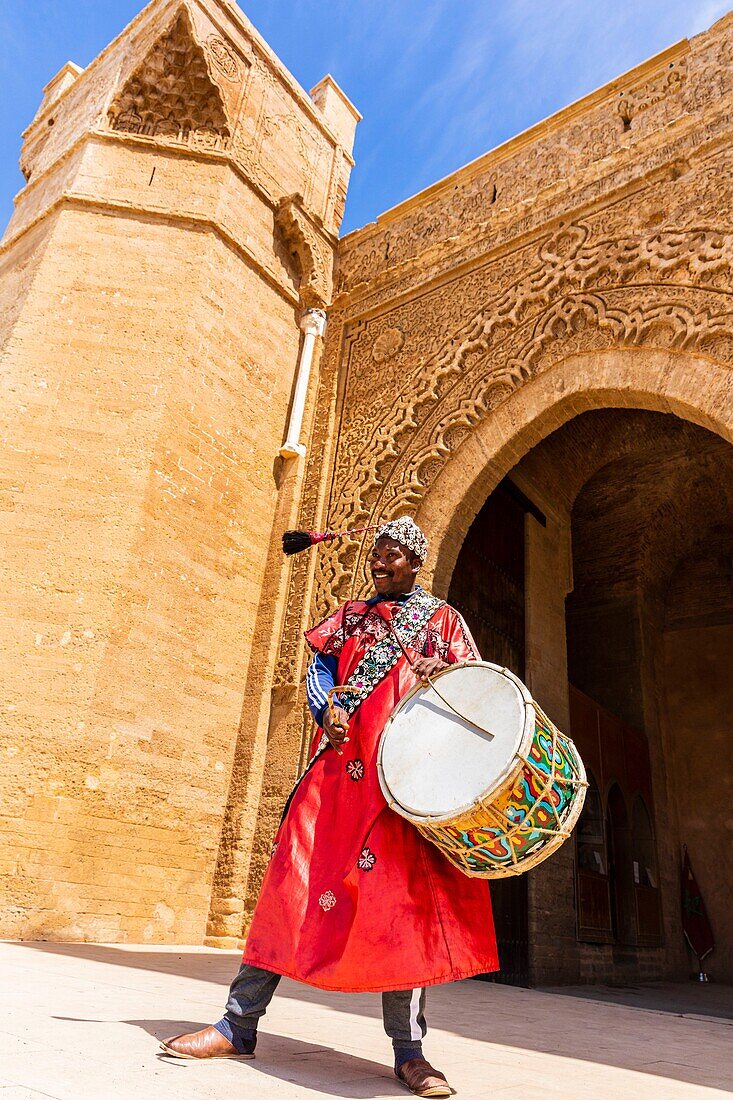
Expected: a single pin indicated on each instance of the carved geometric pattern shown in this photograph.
(223, 57)
(171, 94)
(387, 344)
(400, 248)
(638, 100)
(664, 290)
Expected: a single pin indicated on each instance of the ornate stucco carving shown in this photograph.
(646, 95)
(523, 185)
(223, 57)
(663, 289)
(387, 344)
(312, 253)
(171, 95)
(267, 126)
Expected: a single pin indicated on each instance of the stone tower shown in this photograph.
(168, 258)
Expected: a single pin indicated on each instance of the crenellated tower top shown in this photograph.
(194, 79)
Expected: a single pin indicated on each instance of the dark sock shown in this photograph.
(403, 1052)
(243, 1039)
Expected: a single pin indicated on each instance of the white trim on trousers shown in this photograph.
(415, 1029)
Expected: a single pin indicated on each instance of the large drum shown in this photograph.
(473, 762)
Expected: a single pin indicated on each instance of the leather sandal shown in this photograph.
(207, 1043)
(422, 1080)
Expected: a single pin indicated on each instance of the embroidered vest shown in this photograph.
(377, 662)
(380, 658)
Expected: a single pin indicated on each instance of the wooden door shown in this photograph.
(618, 895)
(619, 857)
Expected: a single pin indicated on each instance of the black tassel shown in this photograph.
(294, 542)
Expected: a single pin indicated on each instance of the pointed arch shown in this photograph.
(692, 386)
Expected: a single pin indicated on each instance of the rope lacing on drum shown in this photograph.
(499, 818)
(512, 828)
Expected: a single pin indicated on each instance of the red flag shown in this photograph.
(695, 923)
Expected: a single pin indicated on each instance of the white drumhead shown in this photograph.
(433, 763)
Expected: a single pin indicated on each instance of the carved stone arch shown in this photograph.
(171, 95)
(684, 383)
(668, 290)
(653, 379)
(577, 323)
(610, 377)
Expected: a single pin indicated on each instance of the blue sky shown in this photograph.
(438, 81)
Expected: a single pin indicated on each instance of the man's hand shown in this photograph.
(428, 666)
(336, 728)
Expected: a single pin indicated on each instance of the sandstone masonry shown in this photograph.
(180, 217)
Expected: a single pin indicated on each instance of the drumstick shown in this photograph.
(440, 695)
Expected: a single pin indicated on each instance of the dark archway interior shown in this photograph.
(661, 502)
(646, 500)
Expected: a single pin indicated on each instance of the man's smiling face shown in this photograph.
(393, 567)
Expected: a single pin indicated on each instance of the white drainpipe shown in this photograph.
(313, 324)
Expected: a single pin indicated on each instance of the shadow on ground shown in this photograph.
(601, 1032)
(695, 999)
(324, 1070)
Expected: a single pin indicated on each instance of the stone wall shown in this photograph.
(181, 211)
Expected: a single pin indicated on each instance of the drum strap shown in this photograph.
(381, 657)
(378, 660)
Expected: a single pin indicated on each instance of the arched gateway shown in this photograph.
(626, 386)
(584, 266)
(691, 386)
(534, 357)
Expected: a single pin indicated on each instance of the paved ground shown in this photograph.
(692, 999)
(81, 1021)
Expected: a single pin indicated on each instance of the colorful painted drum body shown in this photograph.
(474, 763)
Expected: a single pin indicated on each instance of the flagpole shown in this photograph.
(695, 923)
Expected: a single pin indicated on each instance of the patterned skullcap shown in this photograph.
(405, 531)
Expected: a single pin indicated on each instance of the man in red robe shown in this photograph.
(354, 899)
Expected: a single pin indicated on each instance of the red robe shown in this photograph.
(354, 899)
